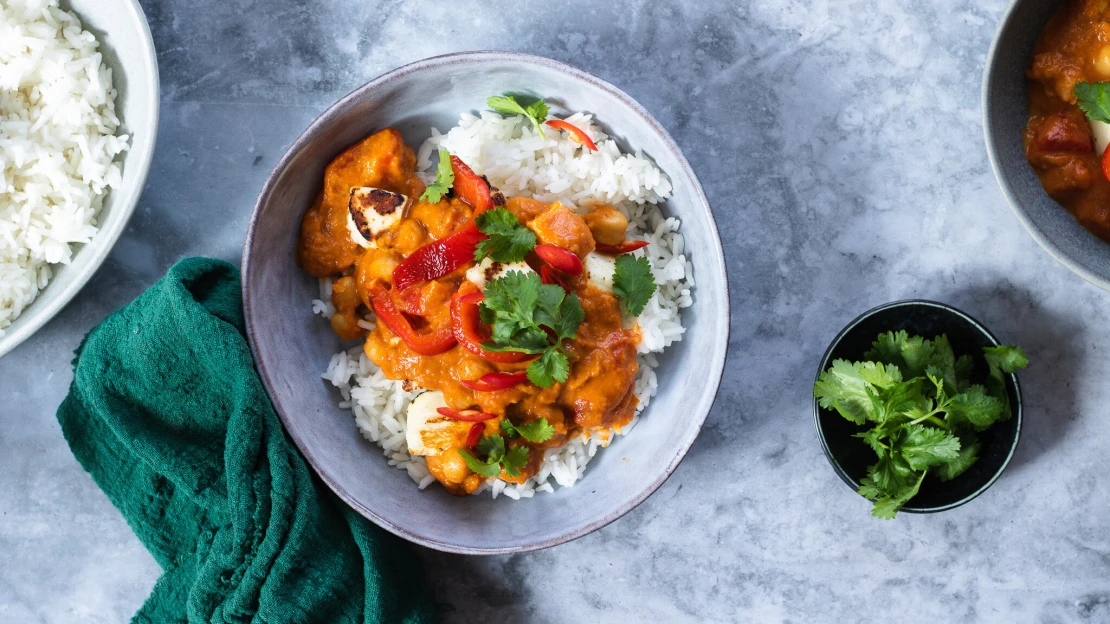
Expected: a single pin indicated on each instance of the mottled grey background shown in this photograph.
(840, 144)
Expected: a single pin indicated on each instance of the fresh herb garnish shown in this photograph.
(519, 307)
(445, 177)
(633, 282)
(922, 408)
(1094, 99)
(507, 105)
(496, 457)
(534, 431)
(507, 240)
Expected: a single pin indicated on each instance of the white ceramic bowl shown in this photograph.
(126, 45)
(292, 347)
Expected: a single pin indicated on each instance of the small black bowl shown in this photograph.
(850, 457)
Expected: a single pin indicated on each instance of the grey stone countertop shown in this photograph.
(841, 146)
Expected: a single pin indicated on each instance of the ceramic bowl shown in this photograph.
(1005, 113)
(292, 347)
(126, 46)
(850, 457)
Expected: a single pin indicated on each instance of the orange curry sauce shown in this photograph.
(598, 393)
(1074, 47)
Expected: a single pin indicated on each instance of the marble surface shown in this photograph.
(840, 144)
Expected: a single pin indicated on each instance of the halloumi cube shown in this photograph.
(1101, 131)
(372, 212)
(430, 433)
(600, 269)
(487, 270)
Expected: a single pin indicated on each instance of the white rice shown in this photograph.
(519, 162)
(57, 145)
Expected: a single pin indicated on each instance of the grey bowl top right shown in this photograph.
(1005, 106)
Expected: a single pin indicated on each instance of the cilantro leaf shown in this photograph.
(924, 447)
(506, 239)
(887, 507)
(1005, 359)
(1094, 99)
(633, 282)
(532, 317)
(445, 178)
(534, 431)
(975, 407)
(515, 460)
(844, 387)
(507, 105)
(969, 453)
(552, 366)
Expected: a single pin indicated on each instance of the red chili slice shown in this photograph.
(549, 275)
(432, 343)
(473, 416)
(576, 134)
(436, 259)
(492, 382)
(1106, 163)
(623, 248)
(560, 259)
(474, 435)
(470, 187)
(466, 323)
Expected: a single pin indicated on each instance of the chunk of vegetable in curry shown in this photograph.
(598, 392)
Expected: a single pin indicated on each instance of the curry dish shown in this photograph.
(411, 261)
(1074, 48)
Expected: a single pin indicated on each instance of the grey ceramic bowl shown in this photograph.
(292, 347)
(1005, 112)
(850, 457)
(128, 49)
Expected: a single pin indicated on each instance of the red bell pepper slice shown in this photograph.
(560, 259)
(623, 248)
(1106, 163)
(549, 275)
(492, 382)
(474, 435)
(470, 187)
(473, 416)
(576, 134)
(432, 343)
(437, 258)
(467, 326)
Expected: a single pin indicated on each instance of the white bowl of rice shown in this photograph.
(349, 420)
(78, 118)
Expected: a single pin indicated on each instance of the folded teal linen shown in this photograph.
(167, 414)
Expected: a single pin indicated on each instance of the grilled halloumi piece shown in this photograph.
(600, 269)
(372, 212)
(430, 433)
(487, 270)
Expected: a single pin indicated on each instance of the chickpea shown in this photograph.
(473, 368)
(344, 296)
(410, 236)
(607, 224)
(377, 267)
(1102, 61)
(345, 325)
(453, 467)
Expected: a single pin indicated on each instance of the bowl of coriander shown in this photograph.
(917, 407)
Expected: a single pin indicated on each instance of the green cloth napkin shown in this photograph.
(168, 415)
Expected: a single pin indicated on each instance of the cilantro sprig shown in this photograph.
(1094, 99)
(507, 105)
(633, 282)
(445, 178)
(496, 457)
(507, 240)
(922, 409)
(534, 431)
(528, 316)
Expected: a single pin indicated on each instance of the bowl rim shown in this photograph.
(716, 254)
(994, 57)
(909, 303)
(41, 310)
